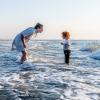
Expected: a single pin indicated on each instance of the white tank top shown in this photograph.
(66, 44)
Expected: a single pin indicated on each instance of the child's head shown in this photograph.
(66, 35)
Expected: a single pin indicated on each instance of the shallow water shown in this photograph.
(45, 76)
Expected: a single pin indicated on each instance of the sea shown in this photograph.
(45, 76)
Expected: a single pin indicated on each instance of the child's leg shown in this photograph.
(67, 56)
(24, 57)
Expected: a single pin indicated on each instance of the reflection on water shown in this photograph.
(45, 76)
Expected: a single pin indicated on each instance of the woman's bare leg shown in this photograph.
(24, 57)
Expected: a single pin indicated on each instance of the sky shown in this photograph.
(80, 17)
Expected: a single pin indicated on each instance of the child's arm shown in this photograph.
(68, 42)
(62, 43)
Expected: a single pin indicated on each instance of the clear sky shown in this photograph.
(80, 17)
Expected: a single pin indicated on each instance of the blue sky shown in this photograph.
(80, 17)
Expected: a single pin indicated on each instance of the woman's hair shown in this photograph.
(38, 25)
(66, 34)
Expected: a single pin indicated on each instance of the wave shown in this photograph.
(95, 55)
(90, 48)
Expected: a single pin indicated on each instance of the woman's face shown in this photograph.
(40, 30)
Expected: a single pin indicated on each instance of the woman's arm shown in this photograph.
(23, 40)
(13, 45)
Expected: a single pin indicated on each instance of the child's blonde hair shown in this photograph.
(66, 34)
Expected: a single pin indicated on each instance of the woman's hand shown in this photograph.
(24, 45)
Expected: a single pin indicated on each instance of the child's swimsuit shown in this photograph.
(66, 44)
(17, 42)
(66, 48)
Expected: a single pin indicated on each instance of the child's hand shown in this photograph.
(12, 49)
(62, 43)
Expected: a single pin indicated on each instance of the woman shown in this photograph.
(22, 39)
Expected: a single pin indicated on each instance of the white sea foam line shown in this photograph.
(1, 86)
(82, 78)
(78, 96)
(86, 87)
(12, 79)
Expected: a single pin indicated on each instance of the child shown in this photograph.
(21, 40)
(66, 45)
